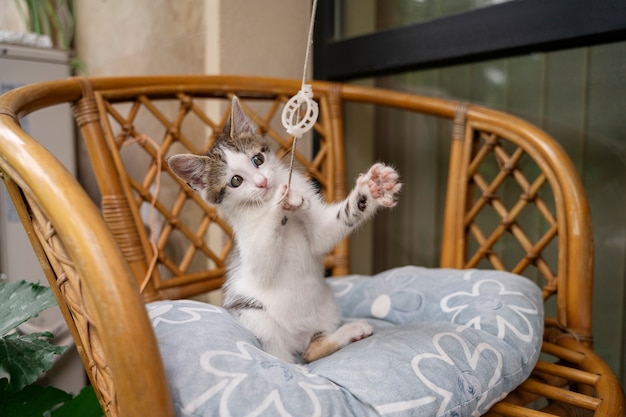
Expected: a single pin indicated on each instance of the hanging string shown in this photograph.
(291, 160)
(307, 55)
(294, 119)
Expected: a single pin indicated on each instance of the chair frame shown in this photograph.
(97, 260)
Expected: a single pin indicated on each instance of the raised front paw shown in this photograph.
(289, 199)
(382, 182)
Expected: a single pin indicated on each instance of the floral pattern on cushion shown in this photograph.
(446, 343)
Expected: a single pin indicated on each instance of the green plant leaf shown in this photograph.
(85, 404)
(23, 358)
(32, 401)
(38, 401)
(20, 301)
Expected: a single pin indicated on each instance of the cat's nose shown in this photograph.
(260, 181)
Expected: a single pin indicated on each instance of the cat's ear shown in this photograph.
(191, 169)
(238, 122)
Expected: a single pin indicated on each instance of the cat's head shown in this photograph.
(238, 169)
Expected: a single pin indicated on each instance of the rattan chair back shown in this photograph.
(509, 186)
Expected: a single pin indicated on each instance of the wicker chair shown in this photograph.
(103, 262)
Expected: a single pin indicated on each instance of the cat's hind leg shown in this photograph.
(325, 344)
(268, 332)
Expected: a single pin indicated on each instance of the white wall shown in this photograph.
(144, 37)
(264, 37)
(9, 17)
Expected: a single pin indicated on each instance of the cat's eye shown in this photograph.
(236, 181)
(258, 159)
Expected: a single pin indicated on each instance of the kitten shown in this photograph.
(275, 282)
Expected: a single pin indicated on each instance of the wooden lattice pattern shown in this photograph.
(69, 285)
(192, 242)
(510, 218)
(503, 170)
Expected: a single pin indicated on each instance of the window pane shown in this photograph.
(577, 96)
(359, 17)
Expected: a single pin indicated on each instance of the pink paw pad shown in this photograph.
(383, 184)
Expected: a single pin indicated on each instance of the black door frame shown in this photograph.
(503, 30)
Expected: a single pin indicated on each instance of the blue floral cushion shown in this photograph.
(446, 343)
